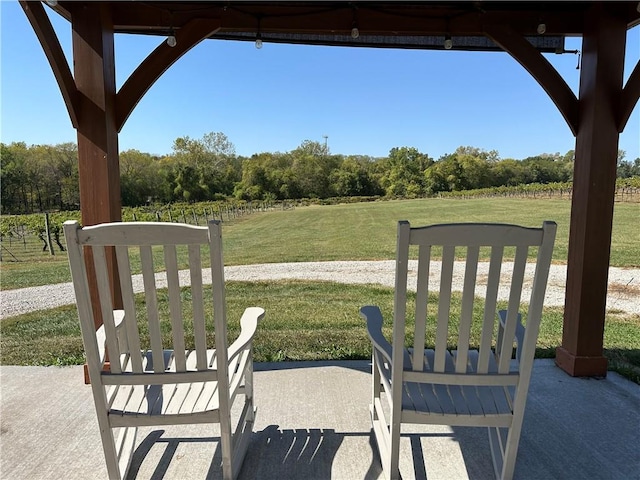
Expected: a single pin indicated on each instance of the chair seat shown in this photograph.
(485, 403)
(165, 403)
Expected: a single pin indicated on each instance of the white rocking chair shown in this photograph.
(153, 385)
(454, 384)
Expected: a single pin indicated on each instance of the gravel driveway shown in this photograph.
(624, 283)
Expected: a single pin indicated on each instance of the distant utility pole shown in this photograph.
(326, 137)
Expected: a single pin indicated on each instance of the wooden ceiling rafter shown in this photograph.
(376, 18)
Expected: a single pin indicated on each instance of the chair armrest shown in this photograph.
(520, 330)
(121, 335)
(248, 325)
(101, 340)
(121, 331)
(373, 316)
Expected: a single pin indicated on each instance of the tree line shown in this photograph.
(40, 178)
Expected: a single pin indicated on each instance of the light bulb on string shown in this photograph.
(258, 34)
(542, 28)
(448, 43)
(171, 40)
(355, 33)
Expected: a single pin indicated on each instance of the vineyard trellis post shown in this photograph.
(47, 230)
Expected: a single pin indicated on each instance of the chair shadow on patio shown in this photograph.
(300, 453)
(273, 453)
(276, 453)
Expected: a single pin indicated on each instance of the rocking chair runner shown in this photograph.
(459, 386)
(148, 386)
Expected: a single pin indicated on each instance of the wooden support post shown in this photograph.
(98, 160)
(581, 353)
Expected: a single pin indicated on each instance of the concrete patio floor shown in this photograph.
(313, 423)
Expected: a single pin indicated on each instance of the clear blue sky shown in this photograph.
(366, 101)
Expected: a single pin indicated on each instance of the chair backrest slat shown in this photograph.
(175, 307)
(106, 307)
(219, 300)
(466, 315)
(444, 307)
(536, 300)
(399, 301)
(490, 308)
(199, 329)
(129, 305)
(515, 294)
(422, 297)
(151, 299)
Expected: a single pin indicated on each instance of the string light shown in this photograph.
(171, 39)
(448, 43)
(355, 33)
(259, 36)
(542, 28)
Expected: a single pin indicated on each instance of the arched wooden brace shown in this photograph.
(49, 41)
(158, 62)
(540, 69)
(629, 98)
(95, 110)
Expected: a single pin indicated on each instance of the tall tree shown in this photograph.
(213, 159)
(404, 172)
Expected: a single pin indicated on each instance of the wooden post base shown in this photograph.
(577, 366)
(87, 380)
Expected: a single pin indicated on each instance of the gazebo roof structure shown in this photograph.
(306, 19)
(523, 29)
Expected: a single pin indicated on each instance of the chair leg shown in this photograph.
(388, 443)
(118, 450)
(125, 444)
(504, 449)
(394, 450)
(241, 437)
(110, 454)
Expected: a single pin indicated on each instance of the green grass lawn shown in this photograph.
(316, 320)
(361, 231)
(304, 321)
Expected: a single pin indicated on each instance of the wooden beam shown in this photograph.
(49, 41)
(375, 18)
(157, 63)
(540, 69)
(629, 99)
(581, 353)
(98, 160)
